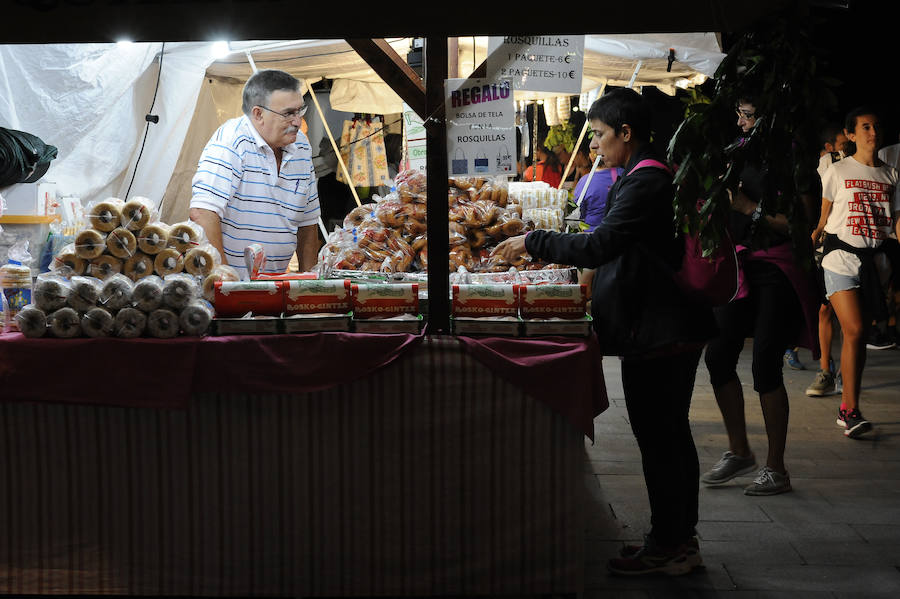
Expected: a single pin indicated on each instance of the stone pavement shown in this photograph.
(837, 535)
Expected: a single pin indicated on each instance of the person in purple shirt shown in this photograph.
(593, 206)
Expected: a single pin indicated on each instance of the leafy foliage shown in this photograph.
(561, 135)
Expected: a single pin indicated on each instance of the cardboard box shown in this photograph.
(236, 298)
(317, 296)
(384, 300)
(553, 301)
(479, 301)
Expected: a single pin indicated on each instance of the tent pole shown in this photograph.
(337, 151)
(578, 145)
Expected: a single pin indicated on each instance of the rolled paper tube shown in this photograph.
(65, 323)
(107, 215)
(85, 293)
(167, 262)
(67, 258)
(154, 238)
(105, 266)
(32, 321)
(163, 323)
(184, 236)
(116, 293)
(147, 295)
(195, 317)
(130, 323)
(121, 243)
(138, 266)
(90, 244)
(97, 322)
(179, 291)
(50, 294)
(137, 213)
(200, 261)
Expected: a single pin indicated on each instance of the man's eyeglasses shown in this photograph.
(745, 114)
(290, 115)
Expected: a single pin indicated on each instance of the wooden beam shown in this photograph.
(393, 70)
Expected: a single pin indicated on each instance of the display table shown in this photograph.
(396, 465)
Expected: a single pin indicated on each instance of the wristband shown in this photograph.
(756, 213)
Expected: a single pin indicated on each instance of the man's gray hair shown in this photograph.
(261, 85)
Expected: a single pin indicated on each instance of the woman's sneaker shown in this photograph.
(823, 385)
(728, 467)
(853, 422)
(653, 559)
(691, 547)
(769, 482)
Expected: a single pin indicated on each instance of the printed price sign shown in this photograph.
(481, 136)
(538, 63)
(415, 139)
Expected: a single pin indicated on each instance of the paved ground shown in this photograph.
(836, 535)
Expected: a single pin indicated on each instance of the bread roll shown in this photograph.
(106, 215)
(90, 244)
(67, 262)
(195, 317)
(163, 324)
(138, 266)
(200, 261)
(97, 322)
(85, 293)
(154, 238)
(65, 323)
(137, 213)
(130, 323)
(121, 243)
(116, 293)
(185, 235)
(105, 266)
(223, 272)
(50, 293)
(32, 321)
(147, 294)
(167, 262)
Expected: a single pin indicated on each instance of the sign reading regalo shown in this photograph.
(481, 135)
(538, 63)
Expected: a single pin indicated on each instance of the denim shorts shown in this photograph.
(835, 282)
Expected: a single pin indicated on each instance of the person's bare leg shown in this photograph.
(775, 409)
(730, 398)
(826, 335)
(848, 308)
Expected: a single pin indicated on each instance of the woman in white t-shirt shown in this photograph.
(860, 209)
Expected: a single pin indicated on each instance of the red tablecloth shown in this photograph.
(562, 372)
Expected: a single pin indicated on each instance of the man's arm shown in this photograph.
(212, 225)
(307, 247)
(823, 218)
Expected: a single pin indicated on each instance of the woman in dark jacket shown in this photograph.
(641, 314)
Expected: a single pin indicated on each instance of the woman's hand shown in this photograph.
(511, 249)
(741, 203)
(817, 236)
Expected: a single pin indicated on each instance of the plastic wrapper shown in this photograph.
(485, 300)
(50, 292)
(15, 279)
(129, 323)
(5, 318)
(553, 301)
(237, 298)
(154, 238)
(201, 260)
(168, 262)
(116, 293)
(147, 294)
(551, 219)
(223, 272)
(85, 293)
(185, 235)
(317, 297)
(104, 267)
(138, 266)
(196, 317)
(97, 322)
(105, 215)
(90, 244)
(162, 323)
(373, 300)
(65, 323)
(32, 321)
(137, 213)
(179, 290)
(359, 214)
(391, 212)
(67, 263)
(411, 185)
(121, 243)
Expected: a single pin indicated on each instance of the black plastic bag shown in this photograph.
(24, 158)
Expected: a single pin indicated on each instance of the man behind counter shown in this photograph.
(255, 181)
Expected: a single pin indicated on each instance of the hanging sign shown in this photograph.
(414, 129)
(481, 135)
(538, 63)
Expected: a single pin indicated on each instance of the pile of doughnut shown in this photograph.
(127, 275)
(390, 235)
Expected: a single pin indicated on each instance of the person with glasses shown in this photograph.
(255, 181)
(776, 306)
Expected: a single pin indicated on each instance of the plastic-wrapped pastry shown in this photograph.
(223, 272)
(106, 215)
(67, 262)
(163, 323)
(154, 238)
(195, 317)
(32, 321)
(130, 323)
(97, 322)
(50, 292)
(121, 243)
(179, 290)
(116, 293)
(137, 213)
(85, 293)
(105, 266)
(185, 235)
(168, 262)
(147, 294)
(90, 244)
(200, 261)
(65, 323)
(138, 266)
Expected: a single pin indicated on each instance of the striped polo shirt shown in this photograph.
(238, 179)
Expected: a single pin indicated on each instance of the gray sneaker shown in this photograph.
(769, 482)
(823, 385)
(728, 467)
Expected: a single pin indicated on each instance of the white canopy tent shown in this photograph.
(90, 100)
